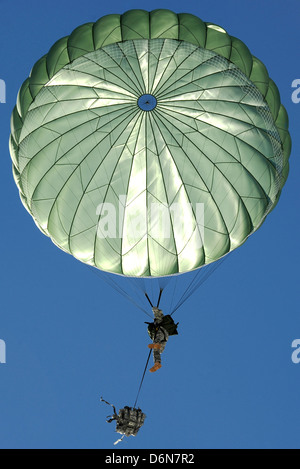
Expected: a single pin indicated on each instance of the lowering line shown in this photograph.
(142, 380)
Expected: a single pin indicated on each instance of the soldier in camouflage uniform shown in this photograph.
(160, 339)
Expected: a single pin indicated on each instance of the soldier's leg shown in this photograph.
(159, 344)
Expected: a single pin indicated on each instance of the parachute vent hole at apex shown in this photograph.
(147, 102)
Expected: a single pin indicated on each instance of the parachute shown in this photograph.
(149, 145)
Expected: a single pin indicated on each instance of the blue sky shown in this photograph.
(227, 380)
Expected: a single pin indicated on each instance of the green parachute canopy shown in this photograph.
(149, 144)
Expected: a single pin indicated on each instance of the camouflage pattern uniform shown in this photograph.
(161, 336)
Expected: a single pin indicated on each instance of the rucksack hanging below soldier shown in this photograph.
(129, 420)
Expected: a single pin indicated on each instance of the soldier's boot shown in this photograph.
(155, 367)
(154, 346)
